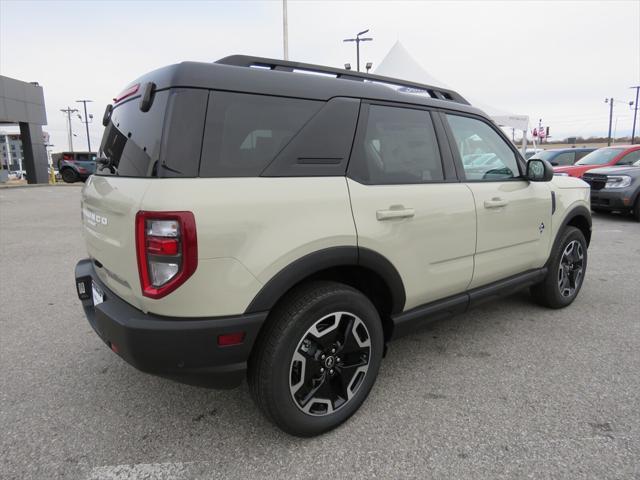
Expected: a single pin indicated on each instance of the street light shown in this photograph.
(611, 101)
(87, 120)
(357, 39)
(635, 115)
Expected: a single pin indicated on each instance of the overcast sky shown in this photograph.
(554, 60)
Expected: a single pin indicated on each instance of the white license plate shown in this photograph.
(98, 295)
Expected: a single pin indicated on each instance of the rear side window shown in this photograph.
(398, 147)
(244, 132)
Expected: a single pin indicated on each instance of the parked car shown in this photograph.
(615, 188)
(74, 166)
(622, 155)
(292, 225)
(530, 152)
(563, 156)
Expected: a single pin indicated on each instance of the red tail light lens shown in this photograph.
(167, 249)
(126, 93)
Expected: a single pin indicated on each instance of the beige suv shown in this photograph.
(248, 218)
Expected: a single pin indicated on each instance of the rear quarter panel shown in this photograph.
(248, 230)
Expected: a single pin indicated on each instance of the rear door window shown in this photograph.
(245, 132)
(399, 146)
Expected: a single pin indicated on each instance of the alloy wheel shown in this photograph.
(571, 268)
(330, 363)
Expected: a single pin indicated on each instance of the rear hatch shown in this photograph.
(135, 151)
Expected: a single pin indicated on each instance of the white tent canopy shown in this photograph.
(399, 63)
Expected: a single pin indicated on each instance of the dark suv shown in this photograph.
(615, 188)
(75, 166)
(559, 157)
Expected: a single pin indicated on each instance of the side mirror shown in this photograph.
(539, 170)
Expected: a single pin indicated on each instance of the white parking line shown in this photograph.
(148, 471)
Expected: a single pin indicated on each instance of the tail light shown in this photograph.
(167, 248)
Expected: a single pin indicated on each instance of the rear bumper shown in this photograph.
(612, 199)
(168, 345)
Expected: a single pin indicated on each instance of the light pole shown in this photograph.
(68, 111)
(611, 101)
(87, 120)
(357, 39)
(635, 115)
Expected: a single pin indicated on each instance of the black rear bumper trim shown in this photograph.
(169, 345)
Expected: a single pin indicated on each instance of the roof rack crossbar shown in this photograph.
(288, 66)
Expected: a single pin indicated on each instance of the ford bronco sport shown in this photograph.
(247, 218)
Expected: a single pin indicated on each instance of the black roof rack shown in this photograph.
(287, 66)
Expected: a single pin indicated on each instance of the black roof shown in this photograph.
(300, 80)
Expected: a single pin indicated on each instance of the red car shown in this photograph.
(603, 157)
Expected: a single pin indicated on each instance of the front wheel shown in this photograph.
(566, 271)
(69, 175)
(317, 359)
(636, 209)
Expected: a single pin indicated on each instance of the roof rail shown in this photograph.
(287, 66)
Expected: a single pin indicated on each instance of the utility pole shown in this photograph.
(68, 111)
(285, 30)
(357, 39)
(635, 115)
(610, 102)
(87, 120)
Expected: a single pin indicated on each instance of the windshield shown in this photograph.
(600, 157)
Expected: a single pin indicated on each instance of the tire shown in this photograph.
(69, 175)
(636, 209)
(560, 287)
(295, 350)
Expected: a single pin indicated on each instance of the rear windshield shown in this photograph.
(600, 157)
(132, 139)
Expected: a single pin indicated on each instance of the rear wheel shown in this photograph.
(69, 175)
(566, 271)
(318, 358)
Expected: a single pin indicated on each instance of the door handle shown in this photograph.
(495, 202)
(395, 211)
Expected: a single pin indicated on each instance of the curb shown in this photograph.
(36, 185)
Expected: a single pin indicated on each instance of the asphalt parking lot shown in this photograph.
(508, 390)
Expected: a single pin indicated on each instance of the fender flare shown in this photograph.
(578, 211)
(315, 262)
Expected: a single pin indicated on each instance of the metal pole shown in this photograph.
(635, 115)
(86, 122)
(610, 121)
(68, 111)
(358, 52)
(285, 30)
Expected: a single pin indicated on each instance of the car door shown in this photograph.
(513, 214)
(408, 204)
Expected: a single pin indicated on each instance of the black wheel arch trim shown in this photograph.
(315, 262)
(578, 211)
